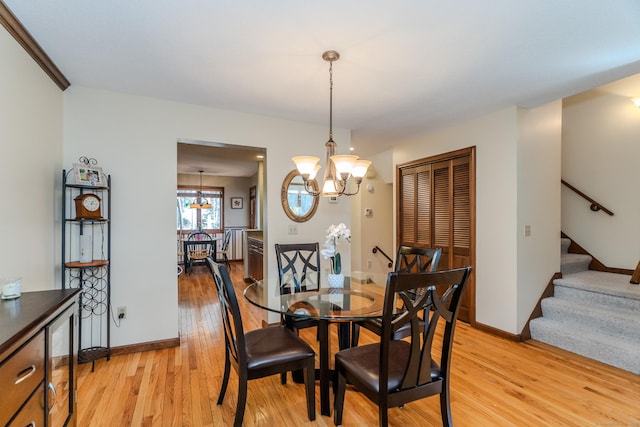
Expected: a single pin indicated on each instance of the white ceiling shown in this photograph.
(405, 66)
(220, 160)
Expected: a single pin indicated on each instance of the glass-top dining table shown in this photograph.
(356, 300)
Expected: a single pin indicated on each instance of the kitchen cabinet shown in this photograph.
(255, 251)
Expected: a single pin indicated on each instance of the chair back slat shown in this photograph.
(230, 310)
(298, 267)
(411, 259)
(438, 295)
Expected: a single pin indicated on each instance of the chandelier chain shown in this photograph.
(330, 100)
(339, 168)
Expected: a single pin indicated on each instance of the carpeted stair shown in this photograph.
(572, 263)
(592, 313)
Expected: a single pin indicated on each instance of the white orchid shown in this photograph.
(335, 232)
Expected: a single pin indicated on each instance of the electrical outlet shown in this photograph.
(122, 313)
(369, 264)
(293, 229)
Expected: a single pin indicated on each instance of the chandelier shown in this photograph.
(339, 168)
(200, 202)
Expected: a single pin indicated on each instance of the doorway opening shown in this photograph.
(238, 171)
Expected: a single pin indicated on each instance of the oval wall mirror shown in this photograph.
(297, 203)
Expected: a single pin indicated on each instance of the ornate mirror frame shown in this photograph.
(284, 192)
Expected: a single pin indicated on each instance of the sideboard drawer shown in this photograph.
(32, 414)
(20, 374)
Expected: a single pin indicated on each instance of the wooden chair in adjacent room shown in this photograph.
(392, 373)
(198, 252)
(224, 249)
(409, 259)
(260, 353)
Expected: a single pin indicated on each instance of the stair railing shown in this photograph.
(595, 206)
(376, 249)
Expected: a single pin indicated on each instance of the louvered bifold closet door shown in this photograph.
(415, 206)
(423, 209)
(461, 255)
(407, 206)
(436, 209)
(461, 212)
(442, 212)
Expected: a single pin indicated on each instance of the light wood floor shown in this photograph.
(494, 382)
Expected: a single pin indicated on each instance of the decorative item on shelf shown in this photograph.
(86, 252)
(200, 202)
(88, 206)
(87, 173)
(339, 168)
(10, 287)
(330, 251)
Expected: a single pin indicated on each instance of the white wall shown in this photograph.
(377, 229)
(600, 152)
(30, 169)
(539, 149)
(496, 138)
(233, 187)
(134, 139)
(374, 230)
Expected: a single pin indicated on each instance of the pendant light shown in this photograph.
(199, 202)
(339, 168)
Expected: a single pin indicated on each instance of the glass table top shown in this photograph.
(354, 301)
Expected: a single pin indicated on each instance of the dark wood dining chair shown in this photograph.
(298, 271)
(298, 267)
(259, 353)
(413, 259)
(409, 259)
(198, 252)
(392, 373)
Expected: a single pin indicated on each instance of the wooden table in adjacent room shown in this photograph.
(211, 246)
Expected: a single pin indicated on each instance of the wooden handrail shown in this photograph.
(595, 206)
(376, 248)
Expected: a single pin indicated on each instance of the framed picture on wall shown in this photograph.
(236, 203)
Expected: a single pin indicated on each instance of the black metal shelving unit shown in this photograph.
(92, 277)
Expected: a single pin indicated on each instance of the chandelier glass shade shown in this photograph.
(200, 202)
(339, 168)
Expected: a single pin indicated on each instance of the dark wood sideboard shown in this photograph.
(38, 359)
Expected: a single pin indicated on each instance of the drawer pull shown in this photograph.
(31, 424)
(26, 373)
